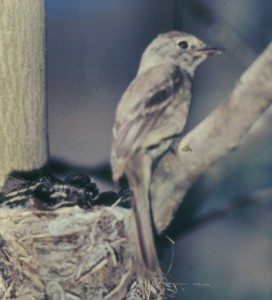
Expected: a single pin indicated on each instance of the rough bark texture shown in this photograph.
(23, 136)
(71, 253)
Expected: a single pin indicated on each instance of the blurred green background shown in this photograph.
(93, 51)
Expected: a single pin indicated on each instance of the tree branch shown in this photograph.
(212, 139)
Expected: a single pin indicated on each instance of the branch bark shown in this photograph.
(23, 133)
(212, 139)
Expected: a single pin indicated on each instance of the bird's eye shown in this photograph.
(183, 45)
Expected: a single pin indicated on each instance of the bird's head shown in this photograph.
(179, 48)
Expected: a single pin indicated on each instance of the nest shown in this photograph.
(69, 253)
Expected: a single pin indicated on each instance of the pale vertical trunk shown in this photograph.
(23, 128)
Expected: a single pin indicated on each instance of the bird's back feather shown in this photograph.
(141, 113)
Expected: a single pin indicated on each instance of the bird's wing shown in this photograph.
(140, 108)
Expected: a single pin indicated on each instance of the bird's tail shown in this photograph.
(139, 180)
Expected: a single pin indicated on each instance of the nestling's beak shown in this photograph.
(209, 51)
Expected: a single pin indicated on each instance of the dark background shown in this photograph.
(93, 51)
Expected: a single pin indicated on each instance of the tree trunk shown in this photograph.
(23, 133)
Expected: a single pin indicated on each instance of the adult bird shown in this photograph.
(150, 116)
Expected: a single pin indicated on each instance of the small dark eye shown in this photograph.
(183, 45)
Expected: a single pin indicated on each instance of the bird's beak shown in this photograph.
(207, 51)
